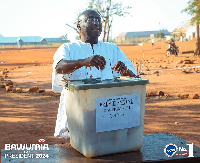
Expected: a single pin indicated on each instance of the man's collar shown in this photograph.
(88, 43)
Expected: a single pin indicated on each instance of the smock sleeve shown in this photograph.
(62, 53)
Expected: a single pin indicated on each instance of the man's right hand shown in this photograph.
(96, 61)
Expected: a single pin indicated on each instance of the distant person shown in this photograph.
(173, 45)
(152, 41)
(74, 60)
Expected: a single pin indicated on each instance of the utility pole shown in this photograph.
(159, 29)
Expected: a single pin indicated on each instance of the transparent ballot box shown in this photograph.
(105, 117)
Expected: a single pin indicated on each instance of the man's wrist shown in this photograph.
(82, 62)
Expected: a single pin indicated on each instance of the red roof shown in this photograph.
(123, 34)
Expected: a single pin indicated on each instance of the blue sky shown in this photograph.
(47, 18)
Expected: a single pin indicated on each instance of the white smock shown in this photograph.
(80, 50)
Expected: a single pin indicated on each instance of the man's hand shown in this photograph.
(69, 66)
(120, 67)
(96, 61)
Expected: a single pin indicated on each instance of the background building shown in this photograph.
(29, 41)
(126, 38)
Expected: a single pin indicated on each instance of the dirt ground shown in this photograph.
(27, 117)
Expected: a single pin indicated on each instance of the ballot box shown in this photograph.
(105, 117)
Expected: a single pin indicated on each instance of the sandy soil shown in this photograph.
(26, 117)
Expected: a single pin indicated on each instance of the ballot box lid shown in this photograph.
(97, 83)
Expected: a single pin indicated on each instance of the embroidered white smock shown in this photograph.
(80, 50)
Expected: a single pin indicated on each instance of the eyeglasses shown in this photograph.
(92, 20)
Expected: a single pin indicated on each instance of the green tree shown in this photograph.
(159, 35)
(64, 39)
(174, 36)
(194, 10)
(107, 9)
(77, 37)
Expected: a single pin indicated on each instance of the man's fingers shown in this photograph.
(99, 62)
(119, 67)
(103, 60)
(95, 64)
(116, 66)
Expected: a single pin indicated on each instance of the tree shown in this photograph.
(77, 37)
(159, 35)
(107, 9)
(64, 39)
(194, 10)
(174, 36)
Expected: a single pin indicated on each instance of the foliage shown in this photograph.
(159, 35)
(64, 39)
(107, 9)
(194, 10)
(173, 36)
(77, 37)
(112, 40)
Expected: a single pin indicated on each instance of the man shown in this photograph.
(152, 41)
(86, 58)
(173, 45)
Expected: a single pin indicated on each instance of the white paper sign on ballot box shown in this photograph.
(118, 112)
